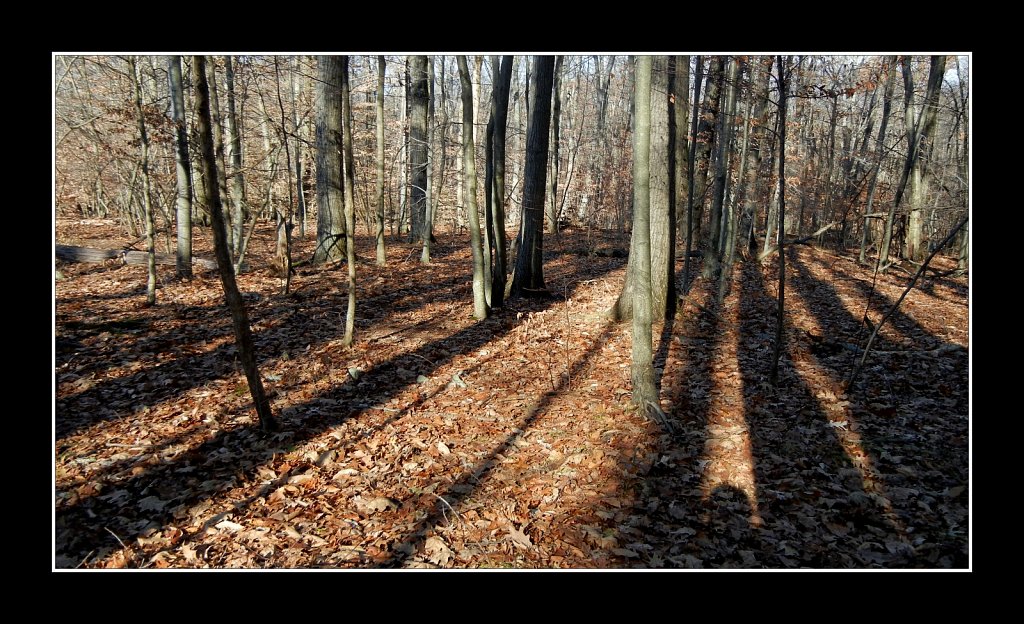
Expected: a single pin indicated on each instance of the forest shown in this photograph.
(573, 311)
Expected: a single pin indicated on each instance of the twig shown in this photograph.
(117, 538)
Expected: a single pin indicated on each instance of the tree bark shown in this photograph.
(712, 244)
(556, 117)
(690, 170)
(381, 253)
(480, 310)
(147, 201)
(496, 190)
(418, 97)
(350, 202)
(233, 298)
(879, 151)
(330, 227)
(234, 157)
(642, 367)
(182, 169)
(528, 278)
(783, 86)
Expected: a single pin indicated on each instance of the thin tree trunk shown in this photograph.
(146, 193)
(381, 254)
(233, 298)
(350, 202)
(879, 150)
(234, 156)
(182, 168)
(713, 248)
(429, 178)
(690, 167)
(556, 117)
(499, 113)
(418, 96)
(774, 375)
(480, 310)
(300, 195)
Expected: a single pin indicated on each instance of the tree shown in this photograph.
(233, 298)
(645, 394)
(528, 275)
(660, 219)
(379, 107)
(713, 243)
(783, 86)
(556, 114)
(234, 156)
(330, 226)
(920, 130)
(925, 127)
(418, 97)
(890, 66)
(690, 170)
(146, 186)
(350, 202)
(182, 168)
(495, 194)
(480, 309)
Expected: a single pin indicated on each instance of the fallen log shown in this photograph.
(71, 253)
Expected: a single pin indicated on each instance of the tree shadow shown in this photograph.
(813, 499)
(910, 410)
(165, 492)
(177, 360)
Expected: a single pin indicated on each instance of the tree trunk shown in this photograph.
(528, 278)
(642, 366)
(480, 310)
(233, 298)
(350, 202)
(418, 97)
(234, 156)
(879, 150)
(706, 138)
(147, 201)
(218, 146)
(300, 195)
(680, 102)
(330, 227)
(556, 116)
(182, 168)
(381, 254)
(661, 209)
(428, 221)
(712, 244)
(499, 115)
(774, 375)
(690, 170)
(926, 136)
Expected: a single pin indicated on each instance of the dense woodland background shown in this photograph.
(528, 200)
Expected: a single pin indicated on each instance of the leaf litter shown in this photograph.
(440, 442)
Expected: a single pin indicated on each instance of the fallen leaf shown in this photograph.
(227, 525)
(437, 551)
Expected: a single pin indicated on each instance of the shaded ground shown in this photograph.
(441, 442)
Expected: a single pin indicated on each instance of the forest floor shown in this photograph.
(443, 442)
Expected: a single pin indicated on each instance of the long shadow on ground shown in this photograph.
(170, 490)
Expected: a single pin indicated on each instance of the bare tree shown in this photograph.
(239, 316)
(480, 309)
